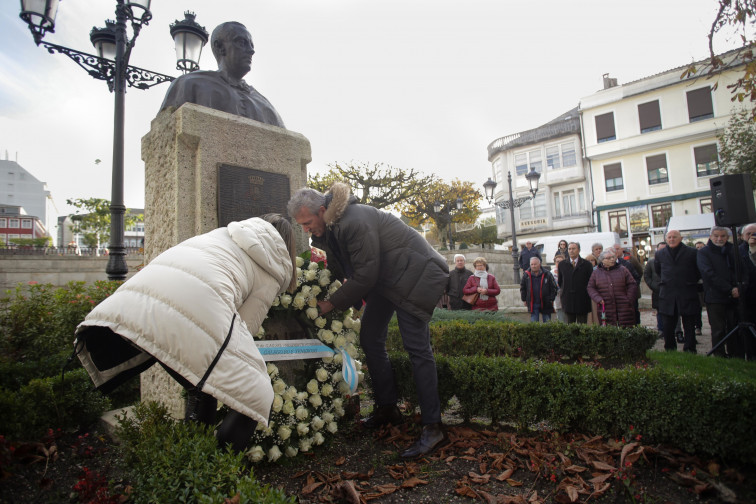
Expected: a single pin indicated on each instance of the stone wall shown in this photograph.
(57, 270)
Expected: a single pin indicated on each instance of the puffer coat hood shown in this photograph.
(183, 307)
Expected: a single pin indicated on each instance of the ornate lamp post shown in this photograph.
(111, 64)
(489, 186)
(437, 207)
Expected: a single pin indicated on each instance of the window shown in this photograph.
(649, 116)
(12, 223)
(560, 155)
(657, 169)
(3, 222)
(707, 160)
(569, 203)
(661, 214)
(605, 127)
(699, 104)
(534, 209)
(705, 205)
(526, 160)
(613, 177)
(26, 224)
(618, 222)
(3, 239)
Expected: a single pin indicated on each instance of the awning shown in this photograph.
(698, 222)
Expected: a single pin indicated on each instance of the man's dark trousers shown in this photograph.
(723, 319)
(689, 330)
(416, 339)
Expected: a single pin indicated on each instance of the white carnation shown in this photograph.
(279, 386)
(351, 350)
(312, 313)
(288, 408)
(317, 423)
(302, 396)
(324, 278)
(344, 388)
(328, 417)
(285, 300)
(300, 262)
(316, 400)
(326, 389)
(310, 275)
(260, 332)
(336, 377)
(336, 326)
(320, 322)
(256, 454)
(284, 432)
(338, 402)
(339, 342)
(313, 266)
(302, 413)
(291, 451)
(299, 301)
(332, 427)
(348, 322)
(321, 374)
(305, 445)
(356, 325)
(326, 336)
(274, 453)
(316, 290)
(277, 403)
(272, 370)
(337, 358)
(351, 337)
(290, 393)
(339, 412)
(312, 302)
(276, 302)
(302, 429)
(312, 386)
(306, 290)
(318, 439)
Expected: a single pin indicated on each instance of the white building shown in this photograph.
(20, 188)
(651, 147)
(562, 203)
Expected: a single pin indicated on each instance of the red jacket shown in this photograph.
(471, 287)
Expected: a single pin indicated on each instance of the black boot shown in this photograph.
(430, 438)
(382, 415)
(236, 430)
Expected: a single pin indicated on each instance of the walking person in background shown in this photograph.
(677, 268)
(457, 280)
(574, 274)
(614, 290)
(485, 285)
(721, 291)
(537, 291)
(558, 299)
(562, 249)
(652, 280)
(528, 252)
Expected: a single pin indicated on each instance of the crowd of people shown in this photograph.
(604, 287)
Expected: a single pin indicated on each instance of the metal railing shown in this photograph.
(64, 251)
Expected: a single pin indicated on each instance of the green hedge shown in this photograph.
(552, 340)
(50, 403)
(169, 461)
(694, 412)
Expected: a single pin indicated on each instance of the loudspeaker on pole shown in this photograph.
(732, 200)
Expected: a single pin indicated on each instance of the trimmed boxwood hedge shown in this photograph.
(552, 340)
(699, 414)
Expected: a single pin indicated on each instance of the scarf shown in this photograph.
(483, 275)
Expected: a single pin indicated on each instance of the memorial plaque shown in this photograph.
(244, 193)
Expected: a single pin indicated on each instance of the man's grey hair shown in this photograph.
(719, 228)
(536, 259)
(455, 255)
(597, 244)
(609, 252)
(574, 243)
(307, 198)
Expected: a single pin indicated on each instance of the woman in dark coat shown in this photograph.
(488, 291)
(562, 249)
(613, 286)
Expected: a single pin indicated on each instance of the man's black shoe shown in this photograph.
(430, 439)
(382, 415)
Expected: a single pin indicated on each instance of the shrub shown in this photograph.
(52, 402)
(695, 412)
(169, 461)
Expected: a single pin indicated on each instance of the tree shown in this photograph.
(378, 185)
(738, 16)
(94, 225)
(738, 145)
(484, 233)
(420, 207)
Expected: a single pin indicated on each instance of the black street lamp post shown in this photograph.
(489, 186)
(111, 64)
(449, 211)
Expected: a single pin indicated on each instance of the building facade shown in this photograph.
(651, 147)
(20, 188)
(15, 224)
(562, 203)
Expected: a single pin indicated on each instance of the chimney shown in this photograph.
(609, 82)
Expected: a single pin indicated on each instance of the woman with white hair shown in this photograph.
(614, 291)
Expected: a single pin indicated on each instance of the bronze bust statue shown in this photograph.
(225, 89)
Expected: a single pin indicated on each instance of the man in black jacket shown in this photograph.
(393, 268)
(527, 252)
(652, 280)
(457, 280)
(678, 272)
(721, 292)
(538, 290)
(574, 274)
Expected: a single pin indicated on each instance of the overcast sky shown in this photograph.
(412, 83)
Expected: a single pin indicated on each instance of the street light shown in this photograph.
(437, 206)
(489, 186)
(111, 64)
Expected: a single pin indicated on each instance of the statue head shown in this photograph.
(232, 47)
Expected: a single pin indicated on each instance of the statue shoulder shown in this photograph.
(192, 87)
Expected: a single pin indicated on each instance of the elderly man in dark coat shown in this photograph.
(677, 268)
(393, 268)
(574, 274)
(721, 291)
(457, 280)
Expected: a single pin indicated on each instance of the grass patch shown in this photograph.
(716, 367)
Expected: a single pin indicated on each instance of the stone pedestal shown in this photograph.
(183, 153)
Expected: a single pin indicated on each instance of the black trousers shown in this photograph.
(689, 330)
(576, 318)
(723, 319)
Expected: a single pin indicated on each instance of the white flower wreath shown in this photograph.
(301, 419)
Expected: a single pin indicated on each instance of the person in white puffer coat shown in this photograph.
(194, 309)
